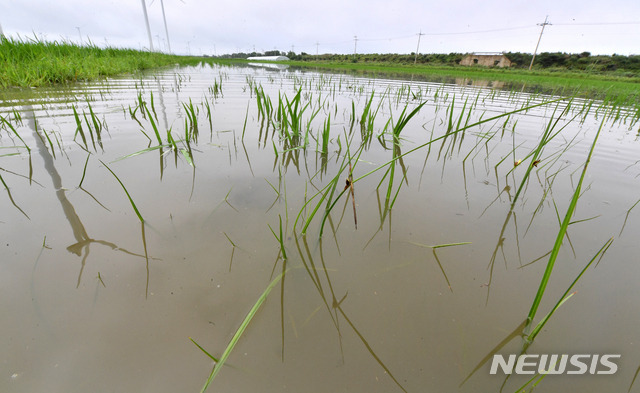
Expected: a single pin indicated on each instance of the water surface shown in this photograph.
(94, 300)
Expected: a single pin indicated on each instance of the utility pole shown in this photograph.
(539, 38)
(1, 33)
(80, 34)
(317, 44)
(418, 48)
(355, 46)
(146, 19)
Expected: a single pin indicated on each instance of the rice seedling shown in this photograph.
(246, 116)
(100, 280)
(626, 217)
(152, 122)
(561, 235)
(325, 193)
(216, 89)
(397, 129)
(7, 123)
(133, 205)
(325, 135)
(531, 336)
(13, 202)
(209, 117)
(634, 379)
(233, 249)
(79, 129)
(369, 348)
(97, 125)
(46, 135)
(435, 255)
(238, 334)
(536, 154)
(191, 122)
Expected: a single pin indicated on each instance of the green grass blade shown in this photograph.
(6, 122)
(561, 234)
(204, 350)
(187, 155)
(153, 125)
(243, 326)
(84, 171)
(566, 294)
(11, 197)
(126, 192)
(141, 152)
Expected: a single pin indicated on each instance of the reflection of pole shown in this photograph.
(83, 241)
(146, 20)
(166, 29)
(418, 48)
(539, 38)
(78, 229)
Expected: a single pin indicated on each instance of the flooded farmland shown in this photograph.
(311, 232)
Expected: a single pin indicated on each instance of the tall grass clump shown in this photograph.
(31, 62)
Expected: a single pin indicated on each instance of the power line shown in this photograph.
(597, 24)
(386, 39)
(355, 39)
(413, 35)
(482, 31)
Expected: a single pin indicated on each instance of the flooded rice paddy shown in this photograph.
(312, 233)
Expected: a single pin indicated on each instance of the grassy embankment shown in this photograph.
(558, 81)
(622, 89)
(36, 63)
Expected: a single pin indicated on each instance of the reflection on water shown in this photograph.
(83, 241)
(270, 66)
(432, 249)
(480, 83)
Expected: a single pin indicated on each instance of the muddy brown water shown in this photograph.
(92, 300)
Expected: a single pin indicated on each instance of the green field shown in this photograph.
(621, 89)
(34, 63)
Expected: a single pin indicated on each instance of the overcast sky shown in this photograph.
(329, 26)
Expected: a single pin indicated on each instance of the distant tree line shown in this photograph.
(546, 60)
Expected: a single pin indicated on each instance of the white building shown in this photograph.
(268, 58)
